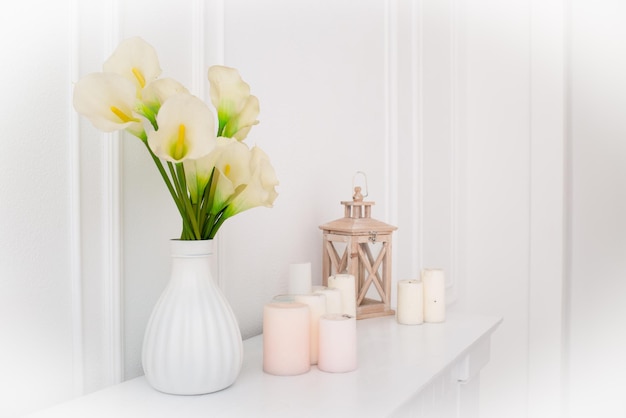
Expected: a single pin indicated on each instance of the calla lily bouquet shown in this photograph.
(210, 172)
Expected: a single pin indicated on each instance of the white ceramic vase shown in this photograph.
(192, 343)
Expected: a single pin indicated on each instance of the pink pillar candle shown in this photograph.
(337, 351)
(317, 308)
(286, 338)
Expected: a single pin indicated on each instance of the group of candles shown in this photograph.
(311, 325)
(422, 301)
(316, 325)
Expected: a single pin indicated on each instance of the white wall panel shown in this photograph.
(597, 264)
(36, 195)
(496, 88)
(100, 210)
(429, 147)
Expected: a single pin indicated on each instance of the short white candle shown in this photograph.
(299, 279)
(286, 338)
(333, 299)
(317, 307)
(338, 351)
(347, 286)
(410, 302)
(434, 295)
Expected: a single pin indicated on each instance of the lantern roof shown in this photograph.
(357, 218)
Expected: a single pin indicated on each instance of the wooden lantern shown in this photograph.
(361, 246)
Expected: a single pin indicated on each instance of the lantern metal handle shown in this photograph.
(354, 183)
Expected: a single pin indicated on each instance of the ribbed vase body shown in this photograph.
(192, 343)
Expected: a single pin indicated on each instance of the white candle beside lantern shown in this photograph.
(410, 302)
(434, 281)
(346, 285)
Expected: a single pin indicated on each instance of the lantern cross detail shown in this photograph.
(367, 262)
(340, 265)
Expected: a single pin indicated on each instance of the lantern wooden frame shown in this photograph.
(357, 230)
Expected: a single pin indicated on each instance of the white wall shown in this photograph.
(598, 199)
(485, 128)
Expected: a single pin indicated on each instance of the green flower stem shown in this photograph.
(206, 202)
(206, 232)
(187, 233)
(182, 181)
(168, 183)
(218, 224)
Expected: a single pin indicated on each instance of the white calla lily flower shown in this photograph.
(233, 168)
(239, 126)
(186, 129)
(107, 100)
(136, 60)
(231, 160)
(237, 110)
(157, 92)
(154, 95)
(261, 190)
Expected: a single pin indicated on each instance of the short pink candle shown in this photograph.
(286, 338)
(337, 351)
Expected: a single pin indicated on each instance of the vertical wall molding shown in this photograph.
(417, 134)
(421, 120)
(454, 151)
(209, 32)
(437, 150)
(112, 230)
(75, 218)
(391, 111)
(198, 50)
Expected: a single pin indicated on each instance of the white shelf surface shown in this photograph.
(395, 363)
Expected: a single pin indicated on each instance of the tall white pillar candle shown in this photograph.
(333, 299)
(347, 286)
(286, 338)
(338, 350)
(410, 302)
(434, 281)
(299, 279)
(317, 308)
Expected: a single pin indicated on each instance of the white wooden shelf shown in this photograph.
(421, 370)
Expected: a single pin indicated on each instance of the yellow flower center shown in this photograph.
(227, 170)
(179, 147)
(139, 77)
(123, 116)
